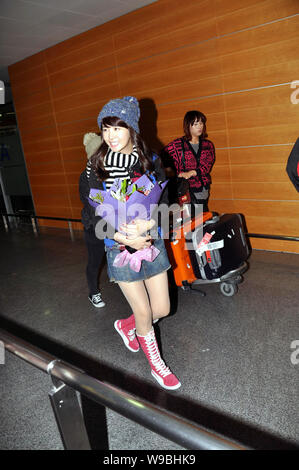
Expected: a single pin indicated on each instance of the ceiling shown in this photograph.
(29, 26)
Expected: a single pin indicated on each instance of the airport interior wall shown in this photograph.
(235, 61)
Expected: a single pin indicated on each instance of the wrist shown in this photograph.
(120, 238)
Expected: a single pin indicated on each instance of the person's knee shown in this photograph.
(163, 310)
(164, 314)
(142, 313)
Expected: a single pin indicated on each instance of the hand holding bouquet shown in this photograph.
(128, 208)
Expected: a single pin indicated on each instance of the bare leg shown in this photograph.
(157, 288)
(144, 298)
(137, 297)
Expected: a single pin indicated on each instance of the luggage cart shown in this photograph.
(184, 261)
(228, 283)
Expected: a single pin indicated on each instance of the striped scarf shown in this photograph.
(118, 164)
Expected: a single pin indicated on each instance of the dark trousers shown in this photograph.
(96, 252)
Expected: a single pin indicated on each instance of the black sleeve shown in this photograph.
(293, 165)
(160, 177)
(88, 212)
(83, 187)
(166, 159)
(159, 170)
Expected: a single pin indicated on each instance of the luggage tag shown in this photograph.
(205, 246)
(201, 247)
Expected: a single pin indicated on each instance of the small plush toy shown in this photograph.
(92, 142)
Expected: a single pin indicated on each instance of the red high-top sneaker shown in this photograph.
(160, 371)
(126, 329)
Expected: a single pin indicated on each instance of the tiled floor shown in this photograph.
(232, 354)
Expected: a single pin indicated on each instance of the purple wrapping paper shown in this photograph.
(138, 205)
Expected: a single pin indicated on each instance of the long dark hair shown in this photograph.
(144, 153)
(189, 119)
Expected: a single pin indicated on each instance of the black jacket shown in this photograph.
(293, 165)
(88, 179)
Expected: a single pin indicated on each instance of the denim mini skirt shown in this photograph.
(147, 270)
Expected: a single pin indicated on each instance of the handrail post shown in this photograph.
(5, 221)
(34, 226)
(175, 428)
(71, 230)
(68, 416)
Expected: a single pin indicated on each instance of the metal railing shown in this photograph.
(67, 380)
(33, 218)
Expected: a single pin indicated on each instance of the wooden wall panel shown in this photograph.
(262, 56)
(264, 135)
(41, 157)
(235, 15)
(46, 168)
(78, 126)
(258, 37)
(263, 190)
(80, 56)
(25, 66)
(263, 97)
(172, 40)
(192, 18)
(260, 155)
(35, 135)
(233, 60)
(188, 55)
(266, 76)
(275, 245)
(187, 75)
(27, 101)
(176, 110)
(94, 80)
(40, 142)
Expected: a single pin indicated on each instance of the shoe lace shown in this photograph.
(97, 297)
(155, 357)
(131, 334)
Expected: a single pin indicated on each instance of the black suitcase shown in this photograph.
(224, 251)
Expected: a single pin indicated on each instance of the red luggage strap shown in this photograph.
(208, 255)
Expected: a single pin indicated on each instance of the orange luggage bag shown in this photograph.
(178, 252)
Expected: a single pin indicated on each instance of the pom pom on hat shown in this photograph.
(92, 142)
(126, 109)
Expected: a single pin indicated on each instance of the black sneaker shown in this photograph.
(96, 300)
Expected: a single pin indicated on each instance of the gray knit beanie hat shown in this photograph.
(126, 109)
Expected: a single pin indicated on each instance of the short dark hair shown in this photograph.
(190, 118)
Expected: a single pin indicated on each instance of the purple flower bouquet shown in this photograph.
(123, 203)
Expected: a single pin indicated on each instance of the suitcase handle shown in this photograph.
(216, 218)
(242, 236)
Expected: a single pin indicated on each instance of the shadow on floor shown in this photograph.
(95, 415)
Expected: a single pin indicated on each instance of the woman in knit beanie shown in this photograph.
(123, 154)
(95, 246)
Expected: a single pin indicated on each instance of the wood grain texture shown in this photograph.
(233, 60)
(234, 15)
